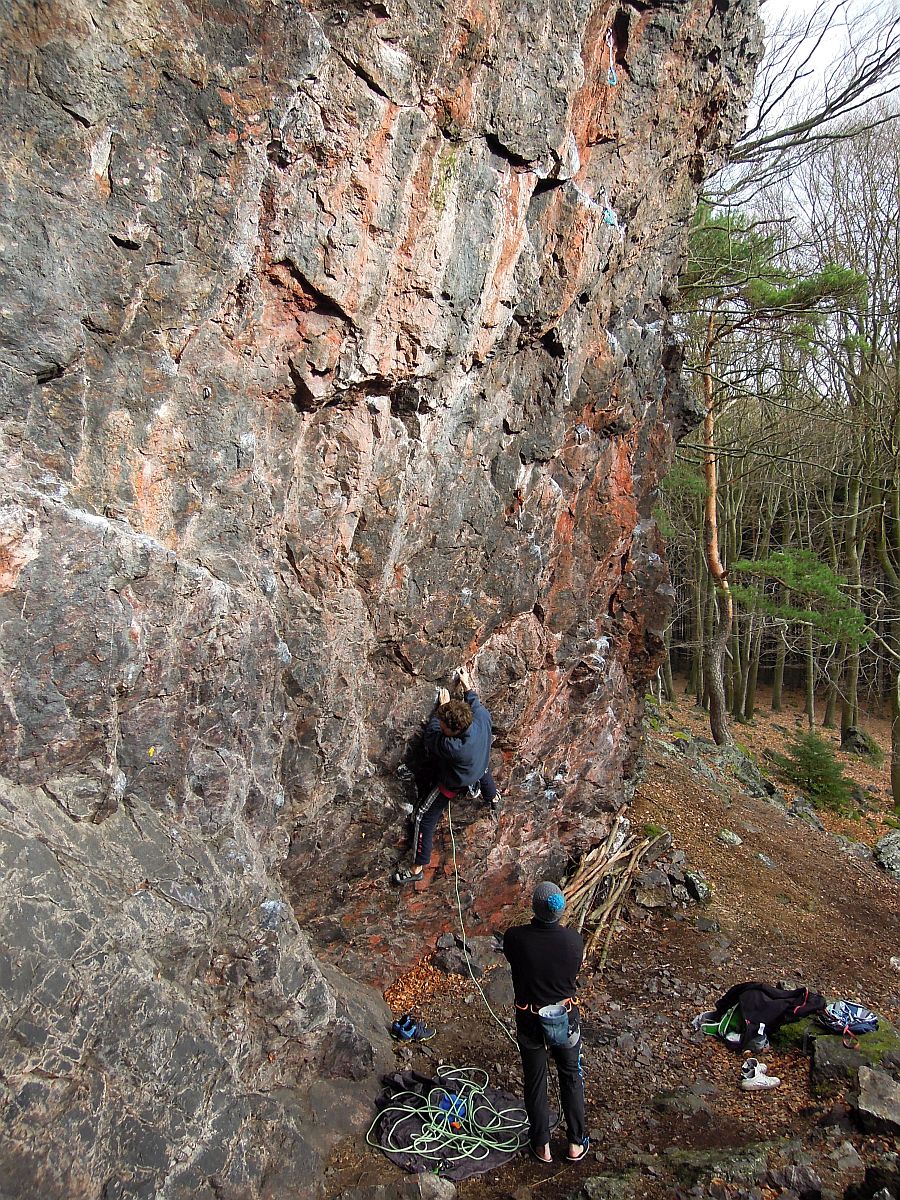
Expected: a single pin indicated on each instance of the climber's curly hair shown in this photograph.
(456, 715)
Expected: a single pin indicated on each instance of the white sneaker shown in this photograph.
(755, 1077)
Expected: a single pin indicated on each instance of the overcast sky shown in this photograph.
(854, 30)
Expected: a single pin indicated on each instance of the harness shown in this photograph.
(535, 1009)
(471, 790)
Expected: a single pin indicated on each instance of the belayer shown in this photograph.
(457, 743)
(545, 959)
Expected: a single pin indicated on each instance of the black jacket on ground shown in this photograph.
(771, 1007)
(545, 960)
(462, 759)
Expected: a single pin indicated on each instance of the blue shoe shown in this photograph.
(406, 1029)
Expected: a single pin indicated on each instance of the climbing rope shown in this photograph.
(465, 949)
(462, 928)
(453, 1121)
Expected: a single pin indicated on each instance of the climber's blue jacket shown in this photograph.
(462, 759)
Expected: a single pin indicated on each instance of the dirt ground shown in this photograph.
(790, 904)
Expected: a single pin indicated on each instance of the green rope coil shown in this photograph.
(482, 1127)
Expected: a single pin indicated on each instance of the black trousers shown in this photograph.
(534, 1052)
(432, 806)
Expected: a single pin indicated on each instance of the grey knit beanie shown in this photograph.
(548, 902)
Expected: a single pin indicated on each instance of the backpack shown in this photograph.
(846, 1018)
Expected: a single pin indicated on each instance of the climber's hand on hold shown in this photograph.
(464, 679)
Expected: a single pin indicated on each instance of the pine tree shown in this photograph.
(810, 765)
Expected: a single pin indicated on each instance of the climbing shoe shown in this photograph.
(407, 1029)
(755, 1077)
(407, 875)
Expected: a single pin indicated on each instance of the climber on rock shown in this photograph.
(457, 743)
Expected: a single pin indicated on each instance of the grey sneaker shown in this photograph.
(704, 1018)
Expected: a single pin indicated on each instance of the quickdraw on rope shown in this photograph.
(611, 77)
(453, 1121)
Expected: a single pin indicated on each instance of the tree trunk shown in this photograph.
(715, 677)
(850, 704)
(778, 679)
(854, 543)
(668, 681)
(693, 685)
(715, 683)
(700, 586)
(738, 672)
(709, 625)
(753, 671)
(701, 583)
(895, 740)
(810, 681)
(829, 721)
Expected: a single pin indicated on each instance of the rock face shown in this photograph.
(887, 853)
(335, 351)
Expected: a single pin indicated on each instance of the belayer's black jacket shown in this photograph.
(462, 759)
(544, 958)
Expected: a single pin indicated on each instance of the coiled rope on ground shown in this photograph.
(458, 1121)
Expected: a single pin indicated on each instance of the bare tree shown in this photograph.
(805, 96)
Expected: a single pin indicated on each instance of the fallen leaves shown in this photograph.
(425, 984)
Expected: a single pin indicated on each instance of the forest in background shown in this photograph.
(782, 510)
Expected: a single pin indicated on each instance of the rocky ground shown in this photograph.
(791, 902)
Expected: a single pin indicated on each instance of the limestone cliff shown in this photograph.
(334, 351)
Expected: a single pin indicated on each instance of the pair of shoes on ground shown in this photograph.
(572, 1158)
(408, 1029)
(408, 874)
(755, 1077)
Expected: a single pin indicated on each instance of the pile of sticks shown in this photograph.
(599, 886)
